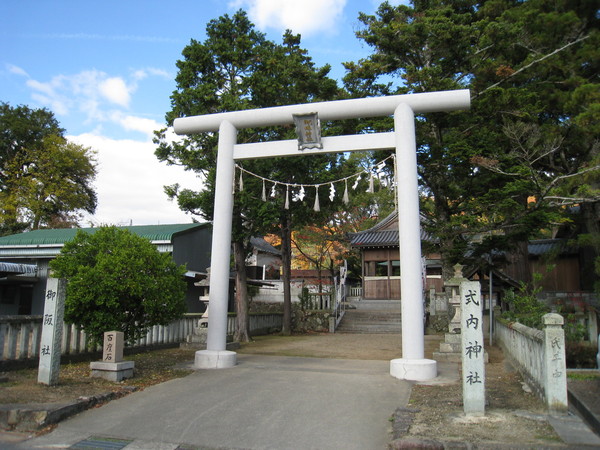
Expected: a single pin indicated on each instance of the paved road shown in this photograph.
(265, 402)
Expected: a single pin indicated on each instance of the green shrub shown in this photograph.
(117, 280)
(580, 355)
(524, 307)
(305, 299)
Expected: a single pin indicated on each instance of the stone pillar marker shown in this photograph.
(451, 348)
(112, 367)
(473, 361)
(556, 366)
(112, 351)
(52, 328)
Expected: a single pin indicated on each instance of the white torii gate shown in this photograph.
(412, 365)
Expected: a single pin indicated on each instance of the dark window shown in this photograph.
(381, 269)
(395, 268)
(26, 300)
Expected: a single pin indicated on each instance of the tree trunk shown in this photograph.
(241, 294)
(319, 278)
(590, 252)
(446, 242)
(286, 261)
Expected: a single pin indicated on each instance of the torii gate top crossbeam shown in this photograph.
(334, 110)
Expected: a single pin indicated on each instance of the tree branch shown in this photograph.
(565, 201)
(571, 175)
(535, 61)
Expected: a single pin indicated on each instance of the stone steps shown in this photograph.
(378, 316)
(369, 329)
(372, 316)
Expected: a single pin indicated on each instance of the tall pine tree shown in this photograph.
(237, 68)
(502, 169)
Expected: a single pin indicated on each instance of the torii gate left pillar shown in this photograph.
(412, 365)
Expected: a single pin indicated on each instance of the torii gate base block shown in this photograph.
(215, 359)
(413, 369)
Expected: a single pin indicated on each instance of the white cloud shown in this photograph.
(115, 90)
(46, 94)
(375, 3)
(64, 93)
(16, 70)
(130, 183)
(103, 37)
(141, 74)
(96, 97)
(304, 17)
(141, 124)
(43, 88)
(55, 105)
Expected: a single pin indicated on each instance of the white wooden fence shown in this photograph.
(355, 291)
(20, 335)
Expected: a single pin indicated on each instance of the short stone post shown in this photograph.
(593, 327)
(52, 329)
(450, 349)
(598, 354)
(112, 350)
(112, 367)
(555, 363)
(473, 361)
(200, 332)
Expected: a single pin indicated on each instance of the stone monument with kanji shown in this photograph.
(112, 367)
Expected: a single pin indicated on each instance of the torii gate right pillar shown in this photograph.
(412, 365)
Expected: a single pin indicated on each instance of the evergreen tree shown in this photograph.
(529, 143)
(119, 281)
(237, 68)
(45, 180)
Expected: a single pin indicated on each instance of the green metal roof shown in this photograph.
(59, 236)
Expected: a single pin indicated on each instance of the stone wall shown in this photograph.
(439, 312)
(539, 355)
(579, 301)
(304, 321)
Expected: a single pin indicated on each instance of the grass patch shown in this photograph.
(547, 437)
(583, 375)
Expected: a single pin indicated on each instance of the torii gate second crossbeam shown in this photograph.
(412, 365)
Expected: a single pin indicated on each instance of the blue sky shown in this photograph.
(106, 70)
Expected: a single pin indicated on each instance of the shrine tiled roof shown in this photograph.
(261, 245)
(383, 234)
(542, 246)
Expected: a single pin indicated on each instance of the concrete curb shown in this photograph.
(36, 416)
(431, 444)
(578, 403)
